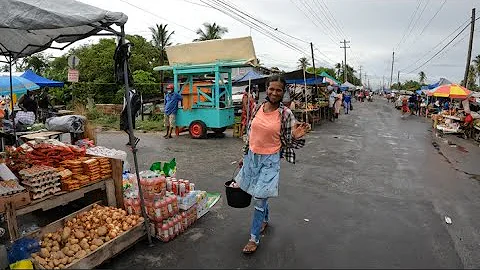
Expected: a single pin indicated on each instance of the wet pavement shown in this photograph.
(374, 190)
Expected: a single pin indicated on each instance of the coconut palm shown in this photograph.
(476, 61)
(303, 63)
(422, 77)
(338, 68)
(210, 31)
(161, 38)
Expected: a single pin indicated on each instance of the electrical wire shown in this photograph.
(409, 24)
(436, 46)
(426, 62)
(416, 22)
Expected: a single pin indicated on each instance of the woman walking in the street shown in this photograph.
(272, 134)
(347, 102)
(338, 103)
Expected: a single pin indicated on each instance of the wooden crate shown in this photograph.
(18, 200)
(103, 253)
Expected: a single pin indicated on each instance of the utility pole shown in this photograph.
(314, 70)
(383, 83)
(345, 62)
(365, 78)
(391, 72)
(398, 80)
(360, 75)
(469, 55)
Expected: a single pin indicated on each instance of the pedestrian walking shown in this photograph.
(331, 104)
(271, 135)
(171, 107)
(248, 106)
(347, 102)
(338, 103)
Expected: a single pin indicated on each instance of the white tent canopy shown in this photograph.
(30, 26)
(348, 84)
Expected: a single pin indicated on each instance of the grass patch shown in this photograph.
(112, 122)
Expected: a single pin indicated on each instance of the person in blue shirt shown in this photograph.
(347, 99)
(171, 107)
(446, 105)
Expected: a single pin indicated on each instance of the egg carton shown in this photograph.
(41, 183)
(40, 195)
(43, 188)
(40, 179)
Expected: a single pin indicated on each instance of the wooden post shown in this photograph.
(117, 171)
(11, 218)
(469, 55)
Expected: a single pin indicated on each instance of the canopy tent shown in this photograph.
(329, 79)
(31, 26)
(309, 81)
(249, 76)
(347, 85)
(441, 82)
(39, 80)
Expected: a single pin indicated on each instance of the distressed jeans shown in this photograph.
(260, 215)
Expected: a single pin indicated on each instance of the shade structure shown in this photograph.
(450, 91)
(20, 85)
(39, 80)
(250, 75)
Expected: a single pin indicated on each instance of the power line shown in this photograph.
(315, 17)
(335, 29)
(430, 21)
(436, 46)
(426, 62)
(409, 24)
(147, 11)
(335, 22)
(416, 21)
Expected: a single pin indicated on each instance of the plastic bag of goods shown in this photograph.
(67, 123)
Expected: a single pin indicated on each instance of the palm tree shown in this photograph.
(422, 76)
(476, 61)
(303, 63)
(210, 31)
(161, 38)
(338, 68)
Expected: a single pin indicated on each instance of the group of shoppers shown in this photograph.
(335, 101)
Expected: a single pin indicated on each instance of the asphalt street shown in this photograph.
(368, 191)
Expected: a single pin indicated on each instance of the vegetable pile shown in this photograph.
(82, 235)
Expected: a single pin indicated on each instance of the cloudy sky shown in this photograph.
(374, 28)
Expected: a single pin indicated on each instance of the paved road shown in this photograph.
(374, 189)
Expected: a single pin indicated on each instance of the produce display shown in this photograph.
(40, 181)
(49, 153)
(82, 235)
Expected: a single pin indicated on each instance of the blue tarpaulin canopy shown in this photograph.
(250, 75)
(19, 85)
(442, 81)
(39, 80)
(309, 81)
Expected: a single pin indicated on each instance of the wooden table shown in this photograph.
(44, 134)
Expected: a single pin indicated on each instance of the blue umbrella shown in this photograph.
(20, 85)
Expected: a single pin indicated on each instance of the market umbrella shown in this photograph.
(20, 86)
(451, 91)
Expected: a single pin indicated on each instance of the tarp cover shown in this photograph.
(347, 84)
(39, 80)
(30, 26)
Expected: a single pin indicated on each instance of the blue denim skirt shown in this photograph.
(259, 175)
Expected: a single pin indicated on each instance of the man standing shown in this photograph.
(347, 99)
(171, 107)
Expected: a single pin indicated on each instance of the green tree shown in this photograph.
(161, 38)
(411, 85)
(145, 77)
(319, 70)
(471, 78)
(476, 61)
(58, 69)
(422, 77)
(338, 69)
(36, 62)
(303, 63)
(210, 31)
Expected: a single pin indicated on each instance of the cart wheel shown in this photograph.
(198, 130)
(219, 130)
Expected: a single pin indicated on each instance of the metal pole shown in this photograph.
(132, 138)
(305, 94)
(11, 102)
(469, 55)
(391, 72)
(314, 70)
(398, 80)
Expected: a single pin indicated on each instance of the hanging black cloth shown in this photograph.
(122, 53)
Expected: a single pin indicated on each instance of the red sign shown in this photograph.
(73, 75)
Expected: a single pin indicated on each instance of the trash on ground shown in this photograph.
(233, 162)
(448, 220)
(306, 219)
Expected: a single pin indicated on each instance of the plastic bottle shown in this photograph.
(164, 208)
(165, 235)
(171, 229)
(175, 204)
(170, 206)
(184, 220)
(158, 210)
